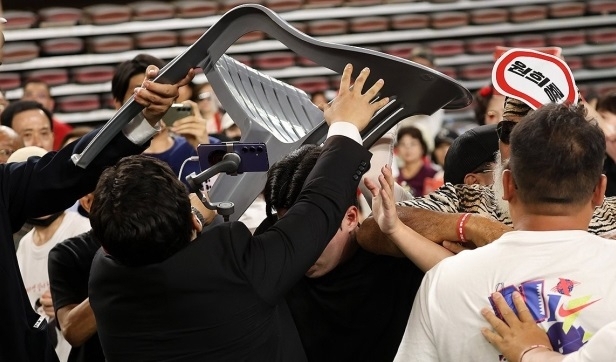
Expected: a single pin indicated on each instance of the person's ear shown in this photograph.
(197, 226)
(86, 201)
(350, 220)
(509, 186)
(471, 179)
(598, 193)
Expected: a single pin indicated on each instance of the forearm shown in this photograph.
(432, 225)
(77, 323)
(370, 238)
(422, 252)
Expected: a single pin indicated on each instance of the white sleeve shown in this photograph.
(601, 347)
(139, 130)
(418, 343)
(346, 129)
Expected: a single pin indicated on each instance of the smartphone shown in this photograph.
(177, 111)
(253, 155)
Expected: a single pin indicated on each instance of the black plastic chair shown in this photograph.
(268, 110)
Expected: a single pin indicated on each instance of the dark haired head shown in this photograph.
(415, 133)
(567, 166)
(126, 70)
(141, 212)
(286, 177)
(21, 106)
(607, 103)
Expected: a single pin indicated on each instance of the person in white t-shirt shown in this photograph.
(550, 257)
(32, 256)
(520, 339)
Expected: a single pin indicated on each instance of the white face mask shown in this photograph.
(497, 186)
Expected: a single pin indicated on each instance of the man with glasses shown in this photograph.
(9, 143)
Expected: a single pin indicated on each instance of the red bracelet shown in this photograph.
(534, 346)
(461, 222)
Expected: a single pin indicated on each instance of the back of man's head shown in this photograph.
(21, 106)
(141, 212)
(286, 178)
(556, 157)
(126, 70)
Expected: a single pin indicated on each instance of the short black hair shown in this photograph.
(21, 106)
(556, 157)
(141, 213)
(607, 103)
(415, 133)
(127, 69)
(286, 177)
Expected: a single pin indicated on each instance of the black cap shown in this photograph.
(469, 151)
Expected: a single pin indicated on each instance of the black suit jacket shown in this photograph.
(30, 189)
(221, 297)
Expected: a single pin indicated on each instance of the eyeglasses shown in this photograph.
(5, 154)
(205, 95)
(503, 130)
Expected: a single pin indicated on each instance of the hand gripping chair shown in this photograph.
(270, 111)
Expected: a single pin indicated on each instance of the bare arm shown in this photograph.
(77, 322)
(421, 251)
(433, 225)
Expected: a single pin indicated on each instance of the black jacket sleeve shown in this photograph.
(42, 186)
(275, 260)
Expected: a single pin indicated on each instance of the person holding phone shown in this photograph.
(219, 293)
(178, 138)
(48, 184)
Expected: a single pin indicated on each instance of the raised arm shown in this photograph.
(421, 251)
(42, 186)
(281, 256)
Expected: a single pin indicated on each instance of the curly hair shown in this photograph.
(286, 177)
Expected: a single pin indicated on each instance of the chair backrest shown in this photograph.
(268, 110)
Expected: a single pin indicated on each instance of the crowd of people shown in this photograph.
(120, 262)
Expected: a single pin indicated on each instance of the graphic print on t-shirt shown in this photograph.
(554, 304)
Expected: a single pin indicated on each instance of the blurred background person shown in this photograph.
(413, 166)
(489, 105)
(32, 122)
(38, 91)
(33, 251)
(209, 107)
(9, 143)
(173, 145)
(606, 107)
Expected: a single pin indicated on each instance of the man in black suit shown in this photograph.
(162, 292)
(46, 185)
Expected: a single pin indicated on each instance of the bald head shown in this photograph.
(9, 143)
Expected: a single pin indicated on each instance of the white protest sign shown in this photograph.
(534, 77)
